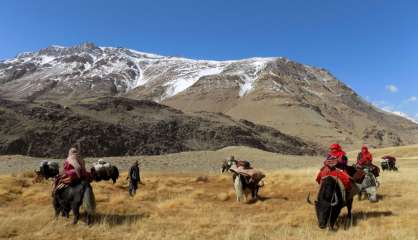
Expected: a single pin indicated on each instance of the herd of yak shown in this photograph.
(331, 198)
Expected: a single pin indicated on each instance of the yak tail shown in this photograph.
(89, 201)
(239, 191)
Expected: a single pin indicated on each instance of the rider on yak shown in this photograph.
(74, 171)
(364, 159)
(335, 165)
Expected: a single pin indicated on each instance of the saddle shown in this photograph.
(244, 164)
(252, 174)
(375, 169)
(61, 181)
(359, 176)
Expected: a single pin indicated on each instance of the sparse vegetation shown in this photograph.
(177, 206)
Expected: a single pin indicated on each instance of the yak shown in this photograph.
(70, 198)
(330, 200)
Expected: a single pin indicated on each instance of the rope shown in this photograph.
(332, 199)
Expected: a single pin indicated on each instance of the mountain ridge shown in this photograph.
(112, 126)
(298, 99)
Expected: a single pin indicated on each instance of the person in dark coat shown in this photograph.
(134, 178)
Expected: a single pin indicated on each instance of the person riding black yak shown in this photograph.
(365, 159)
(336, 189)
(335, 165)
(72, 189)
(74, 171)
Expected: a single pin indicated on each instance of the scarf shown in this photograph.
(365, 154)
(335, 155)
(74, 160)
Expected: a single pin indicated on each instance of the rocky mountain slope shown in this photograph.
(120, 126)
(297, 99)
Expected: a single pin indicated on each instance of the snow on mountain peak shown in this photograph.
(122, 69)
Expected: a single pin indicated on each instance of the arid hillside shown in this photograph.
(122, 127)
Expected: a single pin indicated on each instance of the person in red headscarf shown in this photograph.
(334, 165)
(75, 167)
(74, 171)
(364, 159)
(336, 152)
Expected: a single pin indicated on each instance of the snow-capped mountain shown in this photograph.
(297, 99)
(87, 69)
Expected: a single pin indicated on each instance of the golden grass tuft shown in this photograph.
(223, 197)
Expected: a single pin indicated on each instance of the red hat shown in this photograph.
(335, 146)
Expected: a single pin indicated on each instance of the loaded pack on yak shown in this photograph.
(47, 169)
(389, 163)
(246, 179)
(103, 170)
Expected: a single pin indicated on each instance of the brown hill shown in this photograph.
(301, 101)
(120, 126)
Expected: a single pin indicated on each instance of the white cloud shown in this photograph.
(392, 88)
(412, 99)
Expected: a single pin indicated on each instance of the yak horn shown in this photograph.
(335, 200)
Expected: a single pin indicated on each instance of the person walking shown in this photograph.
(134, 178)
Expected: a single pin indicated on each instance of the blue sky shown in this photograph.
(370, 45)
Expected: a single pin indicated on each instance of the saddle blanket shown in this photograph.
(337, 173)
(254, 174)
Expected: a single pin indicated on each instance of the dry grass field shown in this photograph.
(202, 206)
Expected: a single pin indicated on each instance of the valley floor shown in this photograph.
(181, 205)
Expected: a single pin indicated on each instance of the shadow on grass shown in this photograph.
(383, 196)
(116, 219)
(362, 216)
(264, 198)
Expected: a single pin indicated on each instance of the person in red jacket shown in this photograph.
(74, 167)
(365, 159)
(336, 152)
(334, 165)
(74, 171)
